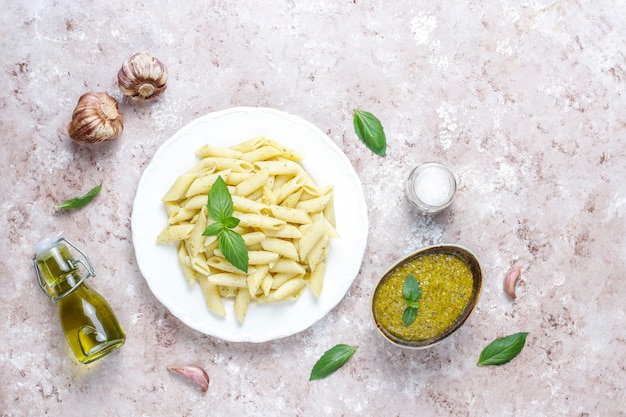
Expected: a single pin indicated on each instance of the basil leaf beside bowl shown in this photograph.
(331, 360)
(502, 349)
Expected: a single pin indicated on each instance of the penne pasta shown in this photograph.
(196, 202)
(288, 231)
(280, 278)
(311, 237)
(195, 241)
(252, 238)
(316, 279)
(208, 150)
(285, 152)
(314, 205)
(183, 256)
(287, 266)
(289, 187)
(260, 221)
(279, 167)
(289, 288)
(246, 205)
(182, 214)
(201, 185)
(285, 219)
(290, 215)
(178, 190)
(175, 232)
(251, 184)
(212, 297)
(242, 300)
(228, 279)
(260, 154)
(281, 247)
(221, 264)
(250, 144)
(255, 278)
(262, 257)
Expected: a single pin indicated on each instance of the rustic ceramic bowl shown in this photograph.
(470, 260)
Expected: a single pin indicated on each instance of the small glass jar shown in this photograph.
(89, 323)
(431, 187)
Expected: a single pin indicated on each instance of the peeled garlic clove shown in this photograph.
(510, 281)
(194, 373)
(142, 76)
(96, 118)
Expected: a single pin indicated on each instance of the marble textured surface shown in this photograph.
(523, 100)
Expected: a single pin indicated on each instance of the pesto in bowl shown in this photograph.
(450, 279)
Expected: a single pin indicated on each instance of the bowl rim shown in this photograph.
(462, 252)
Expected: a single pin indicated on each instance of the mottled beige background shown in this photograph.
(522, 99)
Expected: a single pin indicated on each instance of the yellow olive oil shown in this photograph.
(90, 325)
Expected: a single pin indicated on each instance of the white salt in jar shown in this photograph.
(431, 187)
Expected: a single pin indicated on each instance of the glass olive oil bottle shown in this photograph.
(89, 323)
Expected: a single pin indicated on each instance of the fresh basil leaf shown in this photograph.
(369, 129)
(214, 229)
(234, 249)
(220, 203)
(79, 202)
(220, 207)
(409, 315)
(331, 360)
(412, 304)
(231, 222)
(411, 289)
(502, 349)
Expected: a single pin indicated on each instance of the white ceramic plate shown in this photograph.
(325, 163)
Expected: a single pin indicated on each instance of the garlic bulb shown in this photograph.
(142, 76)
(96, 118)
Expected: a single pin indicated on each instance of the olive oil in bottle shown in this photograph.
(89, 323)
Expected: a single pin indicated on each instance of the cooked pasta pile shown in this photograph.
(286, 221)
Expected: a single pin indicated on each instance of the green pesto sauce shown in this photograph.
(447, 284)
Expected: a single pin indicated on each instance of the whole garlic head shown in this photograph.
(96, 118)
(142, 76)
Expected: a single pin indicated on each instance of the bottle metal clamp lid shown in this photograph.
(49, 243)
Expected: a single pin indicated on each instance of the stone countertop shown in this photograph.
(523, 100)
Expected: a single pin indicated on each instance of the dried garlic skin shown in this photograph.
(142, 76)
(95, 119)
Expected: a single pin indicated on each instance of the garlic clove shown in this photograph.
(142, 76)
(510, 281)
(194, 373)
(95, 119)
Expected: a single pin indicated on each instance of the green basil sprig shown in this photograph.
(369, 129)
(412, 293)
(79, 202)
(503, 349)
(220, 206)
(333, 359)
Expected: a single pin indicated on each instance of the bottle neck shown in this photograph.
(58, 272)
